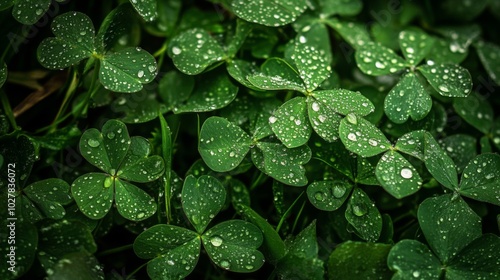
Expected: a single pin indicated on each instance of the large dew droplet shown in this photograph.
(93, 143)
(359, 209)
(225, 264)
(338, 191)
(216, 241)
(406, 173)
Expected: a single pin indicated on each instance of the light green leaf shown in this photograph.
(324, 120)
(174, 251)
(415, 45)
(397, 176)
(93, 193)
(362, 137)
(312, 55)
(413, 143)
(277, 74)
(489, 54)
(273, 243)
(269, 12)
(481, 179)
(344, 101)
(408, 98)
(285, 164)
(476, 111)
(375, 59)
(133, 203)
(478, 260)
(290, 123)
(194, 50)
(223, 145)
(28, 12)
(213, 91)
(439, 164)
(367, 260)
(117, 73)
(412, 259)
(448, 224)
(340, 7)
(232, 245)
(328, 195)
(448, 79)
(74, 41)
(355, 33)
(50, 195)
(202, 199)
(3, 73)
(146, 8)
(364, 216)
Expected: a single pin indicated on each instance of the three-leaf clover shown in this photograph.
(123, 71)
(411, 96)
(453, 232)
(124, 160)
(231, 245)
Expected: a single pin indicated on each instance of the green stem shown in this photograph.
(166, 144)
(257, 181)
(69, 94)
(288, 212)
(135, 271)
(94, 86)
(8, 110)
(298, 215)
(115, 250)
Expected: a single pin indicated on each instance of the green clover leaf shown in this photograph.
(439, 164)
(328, 195)
(476, 111)
(481, 179)
(448, 79)
(410, 258)
(397, 176)
(362, 137)
(375, 59)
(415, 45)
(232, 245)
(146, 8)
(277, 74)
(364, 216)
(269, 12)
(490, 57)
(27, 12)
(123, 159)
(354, 33)
(202, 199)
(340, 7)
(75, 41)
(324, 120)
(50, 195)
(290, 123)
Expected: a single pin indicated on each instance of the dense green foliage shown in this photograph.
(237, 139)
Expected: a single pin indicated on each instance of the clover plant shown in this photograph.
(234, 139)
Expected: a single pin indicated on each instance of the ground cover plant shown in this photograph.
(235, 139)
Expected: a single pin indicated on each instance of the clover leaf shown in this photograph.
(341, 7)
(75, 40)
(439, 164)
(490, 57)
(448, 79)
(232, 245)
(362, 137)
(146, 8)
(328, 195)
(125, 160)
(476, 111)
(397, 175)
(26, 12)
(364, 216)
(49, 195)
(481, 179)
(375, 59)
(415, 45)
(269, 12)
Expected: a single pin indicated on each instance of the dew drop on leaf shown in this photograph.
(359, 210)
(93, 143)
(216, 241)
(406, 173)
(225, 264)
(352, 119)
(319, 196)
(338, 191)
(111, 135)
(176, 50)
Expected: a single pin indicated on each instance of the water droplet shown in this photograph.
(93, 143)
(379, 65)
(272, 119)
(302, 39)
(339, 191)
(416, 274)
(319, 196)
(359, 209)
(249, 267)
(352, 119)
(352, 137)
(195, 219)
(298, 122)
(315, 107)
(108, 182)
(406, 173)
(38, 12)
(373, 142)
(225, 264)
(443, 88)
(140, 74)
(176, 50)
(140, 215)
(216, 241)
(170, 262)
(111, 135)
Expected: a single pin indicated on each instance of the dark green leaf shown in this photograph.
(364, 216)
(290, 123)
(175, 88)
(277, 74)
(269, 12)
(93, 193)
(344, 101)
(490, 57)
(139, 107)
(475, 110)
(375, 59)
(223, 145)
(461, 148)
(118, 25)
(408, 98)
(415, 44)
(328, 195)
(362, 137)
(145, 8)
(481, 179)
(239, 70)
(324, 120)
(448, 224)
(448, 79)
(355, 33)
(50, 195)
(359, 260)
(194, 50)
(397, 176)
(232, 245)
(26, 245)
(413, 143)
(412, 259)
(78, 265)
(340, 7)
(132, 202)
(439, 164)
(202, 199)
(243, 29)
(29, 11)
